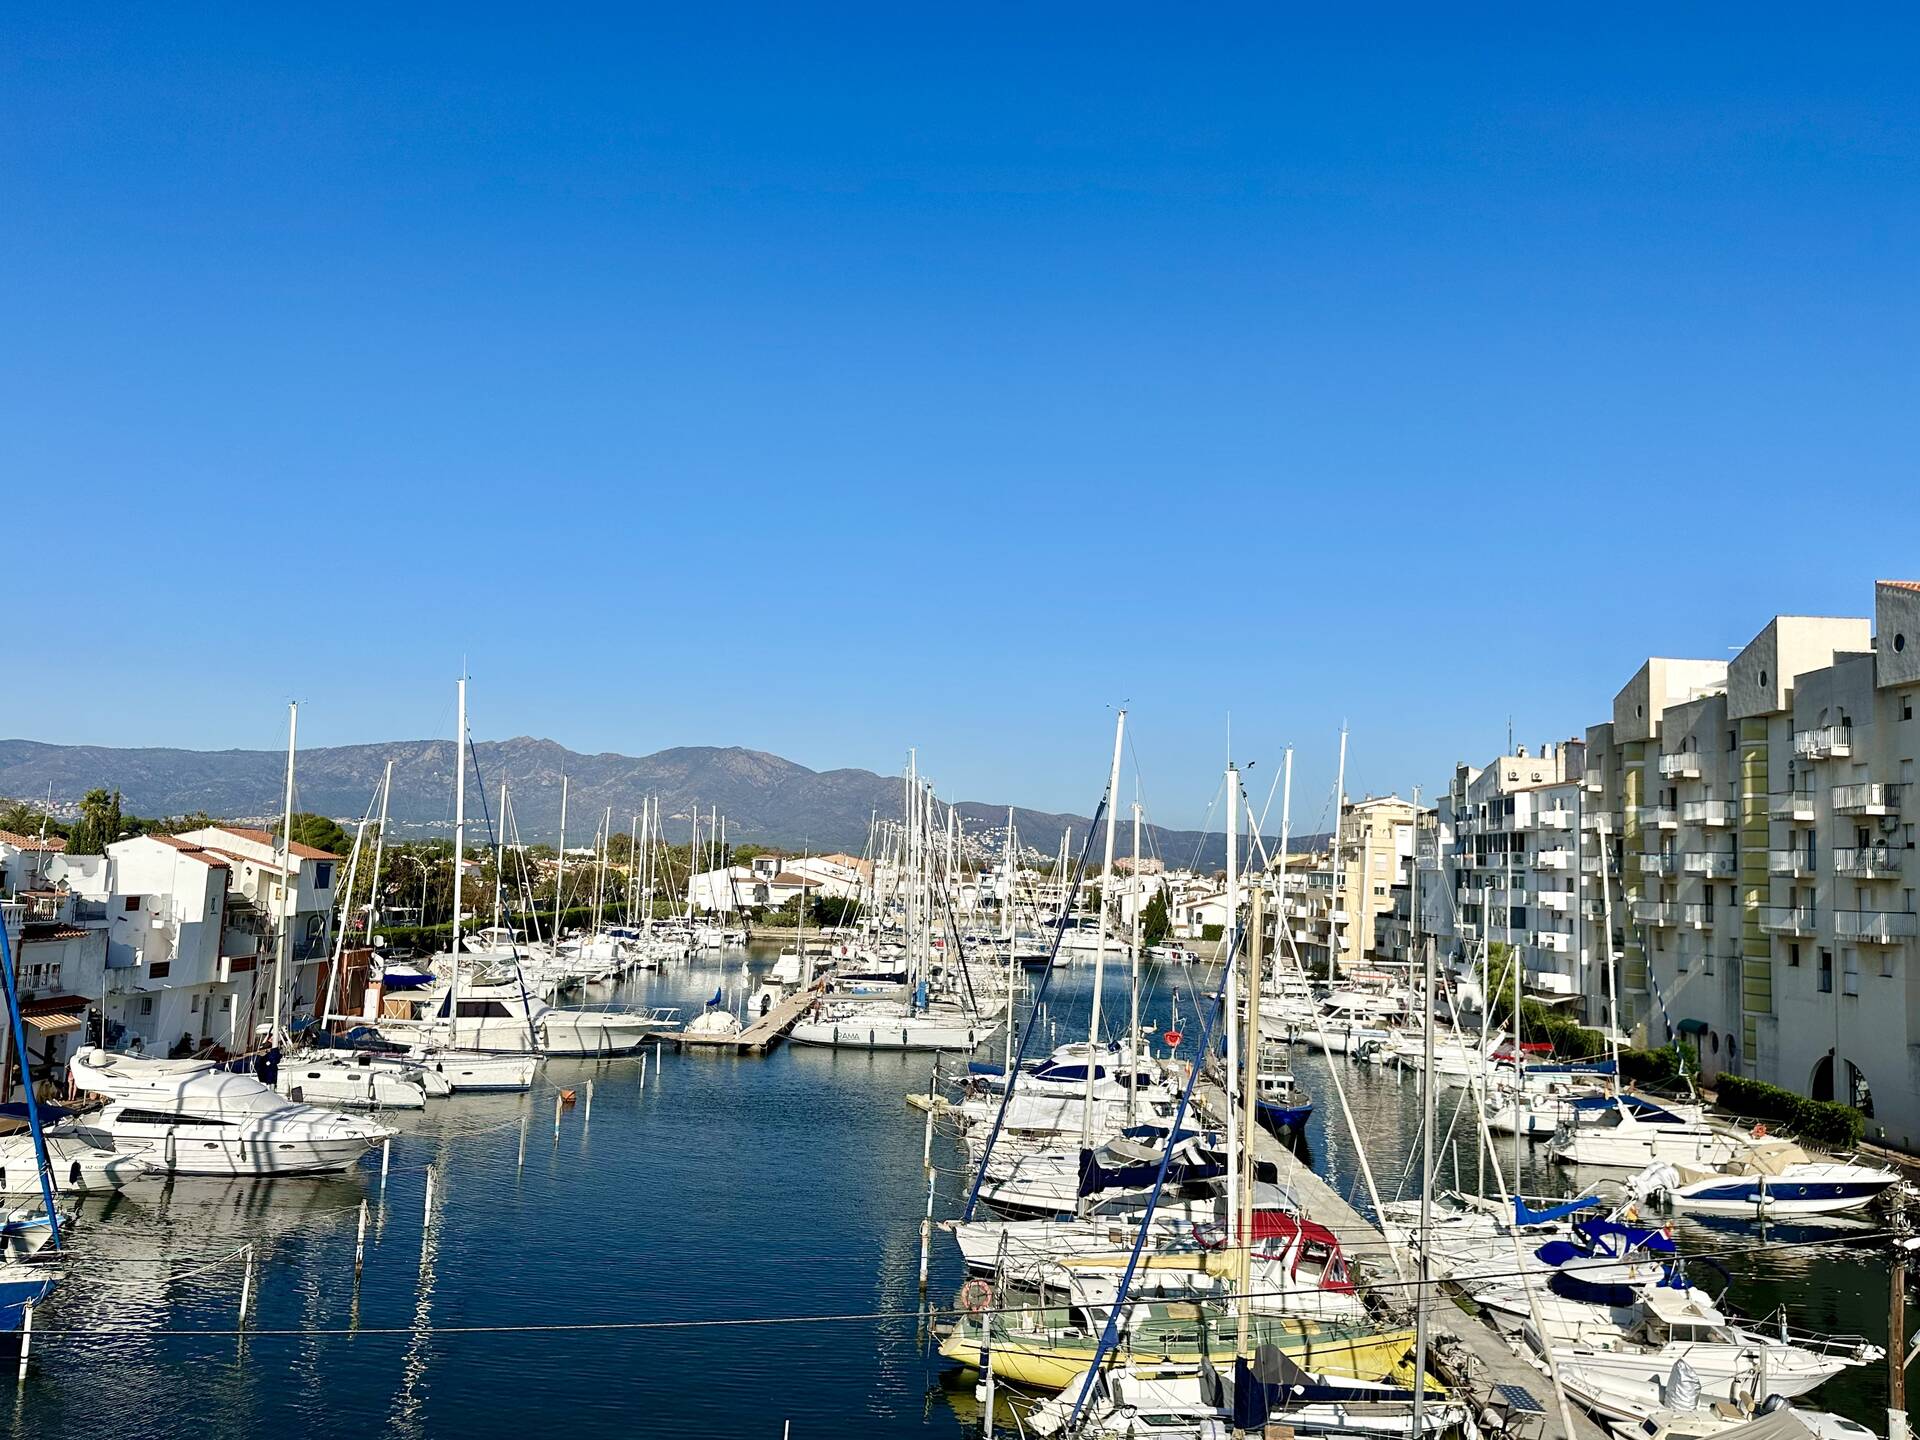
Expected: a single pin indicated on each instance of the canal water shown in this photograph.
(740, 1236)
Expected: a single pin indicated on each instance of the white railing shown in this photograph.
(1655, 912)
(1556, 819)
(1663, 817)
(1866, 799)
(1714, 864)
(1876, 927)
(1698, 916)
(1553, 860)
(1796, 863)
(1788, 919)
(1869, 862)
(1685, 765)
(1656, 864)
(1557, 900)
(1552, 940)
(1827, 742)
(1794, 805)
(1713, 813)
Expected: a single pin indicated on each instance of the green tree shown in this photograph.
(1155, 923)
(24, 819)
(99, 824)
(319, 832)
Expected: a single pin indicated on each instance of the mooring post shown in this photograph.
(426, 1213)
(556, 1114)
(26, 1342)
(246, 1289)
(360, 1243)
(520, 1161)
(586, 1115)
(386, 1159)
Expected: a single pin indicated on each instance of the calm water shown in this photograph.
(726, 1189)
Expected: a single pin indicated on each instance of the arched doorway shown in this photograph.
(1859, 1093)
(1820, 1087)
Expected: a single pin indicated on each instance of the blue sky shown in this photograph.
(829, 380)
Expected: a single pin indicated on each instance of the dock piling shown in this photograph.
(26, 1342)
(520, 1160)
(246, 1289)
(386, 1159)
(556, 1115)
(586, 1114)
(426, 1214)
(360, 1243)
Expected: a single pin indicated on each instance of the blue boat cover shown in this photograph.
(1095, 1177)
(1523, 1216)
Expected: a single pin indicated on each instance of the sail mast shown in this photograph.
(283, 958)
(1133, 980)
(459, 854)
(1100, 936)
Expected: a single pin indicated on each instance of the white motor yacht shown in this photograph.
(334, 1077)
(190, 1117)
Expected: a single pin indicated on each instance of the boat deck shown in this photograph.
(1466, 1352)
(762, 1035)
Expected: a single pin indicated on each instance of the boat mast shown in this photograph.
(379, 849)
(1133, 979)
(1100, 938)
(633, 866)
(1339, 896)
(499, 860)
(283, 957)
(1007, 934)
(459, 856)
(560, 867)
(1230, 1000)
(1427, 1088)
(1250, 1079)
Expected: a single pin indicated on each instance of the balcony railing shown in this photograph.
(1658, 864)
(1468, 930)
(1558, 901)
(1713, 864)
(1876, 927)
(1594, 781)
(1866, 799)
(1553, 860)
(1788, 919)
(1827, 742)
(1713, 814)
(1552, 940)
(1685, 765)
(1656, 912)
(1797, 805)
(1796, 863)
(1697, 917)
(1869, 862)
(1662, 817)
(1556, 819)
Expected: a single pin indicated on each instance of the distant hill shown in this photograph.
(766, 800)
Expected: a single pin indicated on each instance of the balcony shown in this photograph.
(1866, 799)
(1556, 819)
(1869, 862)
(1558, 859)
(1696, 917)
(1795, 805)
(1558, 901)
(1594, 781)
(1712, 864)
(1795, 863)
(1876, 927)
(1467, 930)
(1552, 940)
(1660, 817)
(1656, 912)
(1684, 765)
(1829, 742)
(1711, 814)
(1796, 920)
(1658, 864)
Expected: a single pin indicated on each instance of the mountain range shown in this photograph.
(766, 800)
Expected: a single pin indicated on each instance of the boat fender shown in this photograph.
(976, 1296)
(1760, 1131)
(566, 1097)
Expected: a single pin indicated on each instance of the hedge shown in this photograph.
(1212, 932)
(1825, 1122)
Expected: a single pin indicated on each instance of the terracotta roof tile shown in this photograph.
(192, 851)
(266, 837)
(52, 843)
(1913, 585)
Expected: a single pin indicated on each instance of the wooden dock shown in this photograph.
(762, 1035)
(1464, 1350)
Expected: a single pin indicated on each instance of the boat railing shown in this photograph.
(1852, 1347)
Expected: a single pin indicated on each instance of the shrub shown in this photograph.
(1212, 932)
(1824, 1122)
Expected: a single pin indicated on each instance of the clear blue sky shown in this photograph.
(833, 379)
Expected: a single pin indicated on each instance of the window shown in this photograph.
(226, 1004)
(133, 902)
(1850, 971)
(146, 1004)
(323, 875)
(1906, 707)
(1886, 963)
(213, 903)
(1793, 954)
(1826, 972)
(194, 1008)
(159, 970)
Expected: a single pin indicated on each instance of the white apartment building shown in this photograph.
(1512, 860)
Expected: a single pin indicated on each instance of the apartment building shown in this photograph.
(1516, 865)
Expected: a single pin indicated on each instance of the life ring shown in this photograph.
(1172, 1037)
(976, 1296)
